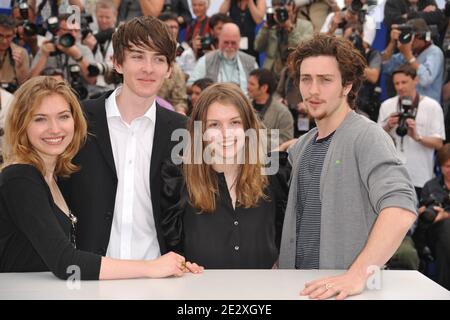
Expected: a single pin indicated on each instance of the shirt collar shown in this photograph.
(112, 110)
(228, 61)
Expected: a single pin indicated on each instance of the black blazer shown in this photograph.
(91, 192)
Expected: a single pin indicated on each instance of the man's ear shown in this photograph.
(347, 88)
(117, 66)
(265, 87)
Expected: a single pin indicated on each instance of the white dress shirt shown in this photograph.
(133, 231)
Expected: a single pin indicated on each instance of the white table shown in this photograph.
(212, 285)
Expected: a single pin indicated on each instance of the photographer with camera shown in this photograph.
(198, 35)
(27, 34)
(64, 51)
(416, 124)
(280, 31)
(14, 62)
(416, 48)
(100, 43)
(400, 11)
(433, 229)
(352, 15)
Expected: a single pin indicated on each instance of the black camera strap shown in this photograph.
(103, 48)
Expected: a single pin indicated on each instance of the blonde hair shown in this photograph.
(28, 97)
(201, 182)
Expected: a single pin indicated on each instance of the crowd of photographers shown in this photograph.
(247, 42)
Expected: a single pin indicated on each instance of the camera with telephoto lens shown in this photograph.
(406, 33)
(99, 68)
(76, 82)
(66, 40)
(405, 114)
(104, 69)
(29, 28)
(429, 215)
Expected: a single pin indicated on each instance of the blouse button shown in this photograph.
(236, 223)
(236, 248)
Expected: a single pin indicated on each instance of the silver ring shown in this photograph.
(328, 286)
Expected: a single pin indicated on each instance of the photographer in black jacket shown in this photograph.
(433, 229)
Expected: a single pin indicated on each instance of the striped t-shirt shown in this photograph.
(309, 206)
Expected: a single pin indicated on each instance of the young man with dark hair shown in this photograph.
(351, 201)
(275, 116)
(116, 194)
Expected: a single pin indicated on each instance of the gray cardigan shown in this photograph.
(361, 176)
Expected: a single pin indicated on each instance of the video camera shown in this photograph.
(429, 215)
(405, 114)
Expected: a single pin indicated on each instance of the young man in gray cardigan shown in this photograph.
(351, 200)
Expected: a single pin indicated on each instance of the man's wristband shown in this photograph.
(79, 59)
(419, 139)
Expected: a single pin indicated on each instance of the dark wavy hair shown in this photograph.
(350, 61)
